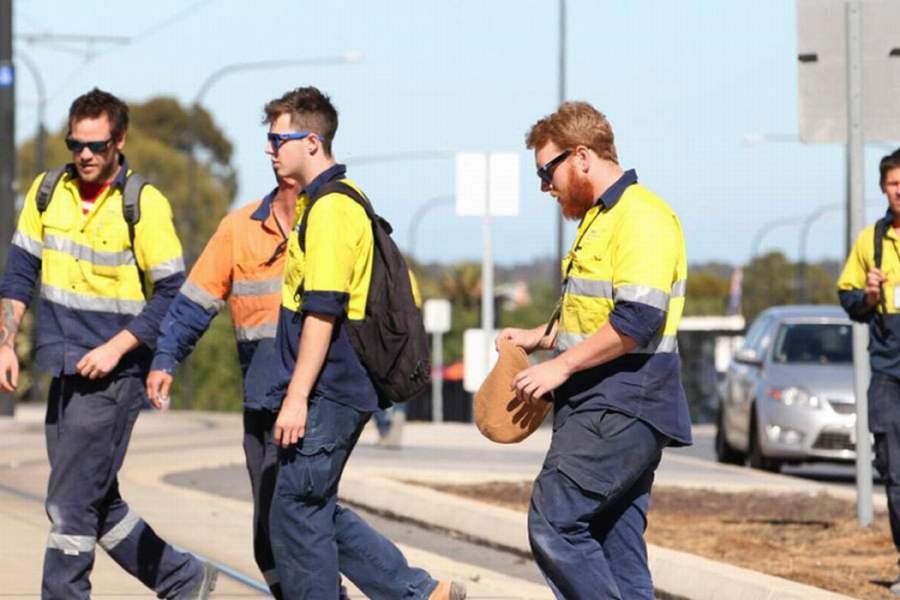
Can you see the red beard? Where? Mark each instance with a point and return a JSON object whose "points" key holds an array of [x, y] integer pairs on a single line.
{"points": [[579, 197]]}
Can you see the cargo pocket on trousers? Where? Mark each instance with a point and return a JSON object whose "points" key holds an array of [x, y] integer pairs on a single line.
{"points": [[593, 484], [307, 475]]}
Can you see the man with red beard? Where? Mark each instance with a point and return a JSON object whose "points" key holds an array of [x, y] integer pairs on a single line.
{"points": [[615, 377]]}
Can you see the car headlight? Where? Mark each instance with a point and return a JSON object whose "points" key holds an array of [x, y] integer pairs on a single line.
{"points": [[795, 396]]}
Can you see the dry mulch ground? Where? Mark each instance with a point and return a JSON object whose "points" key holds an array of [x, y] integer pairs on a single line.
{"points": [[811, 539]]}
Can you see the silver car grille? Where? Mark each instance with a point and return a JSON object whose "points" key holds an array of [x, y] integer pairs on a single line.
{"points": [[832, 440], [843, 407]]}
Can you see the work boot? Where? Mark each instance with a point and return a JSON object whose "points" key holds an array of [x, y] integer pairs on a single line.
{"points": [[207, 583], [449, 590]]}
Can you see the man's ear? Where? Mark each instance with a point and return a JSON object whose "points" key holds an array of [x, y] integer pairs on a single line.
{"points": [[121, 143]]}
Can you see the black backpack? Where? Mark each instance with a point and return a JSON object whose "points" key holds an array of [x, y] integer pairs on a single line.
{"points": [[390, 340], [131, 200]]}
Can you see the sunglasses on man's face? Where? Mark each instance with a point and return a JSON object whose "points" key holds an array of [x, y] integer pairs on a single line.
{"points": [[277, 140], [95, 147], [546, 172]]}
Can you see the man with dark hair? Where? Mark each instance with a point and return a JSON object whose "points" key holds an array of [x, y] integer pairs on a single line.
{"points": [[869, 290], [96, 254], [615, 376], [321, 392]]}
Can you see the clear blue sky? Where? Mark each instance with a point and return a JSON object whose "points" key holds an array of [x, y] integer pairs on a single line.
{"points": [[682, 83]]}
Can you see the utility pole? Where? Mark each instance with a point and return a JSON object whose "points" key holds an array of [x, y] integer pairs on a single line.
{"points": [[560, 231], [856, 217], [7, 152]]}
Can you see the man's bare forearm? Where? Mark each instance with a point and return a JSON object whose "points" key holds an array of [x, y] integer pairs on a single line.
{"points": [[605, 345], [11, 312]]}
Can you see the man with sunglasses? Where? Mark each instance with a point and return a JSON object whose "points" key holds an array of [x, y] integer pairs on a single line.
{"points": [[322, 394], [94, 336], [243, 262], [615, 377]]}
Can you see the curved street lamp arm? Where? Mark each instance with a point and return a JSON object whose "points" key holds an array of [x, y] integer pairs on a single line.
{"points": [[371, 159], [419, 214], [346, 58]]}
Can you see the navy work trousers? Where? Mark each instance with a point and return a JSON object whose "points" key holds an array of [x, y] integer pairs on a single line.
{"points": [[884, 423], [314, 538], [88, 427], [589, 505], [261, 456]]}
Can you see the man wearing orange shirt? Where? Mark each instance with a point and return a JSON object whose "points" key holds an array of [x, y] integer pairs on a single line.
{"points": [[243, 262]]}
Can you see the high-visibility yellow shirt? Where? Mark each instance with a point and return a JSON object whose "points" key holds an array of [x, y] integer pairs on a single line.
{"points": [[330, 277], [90, 286], [628, 267]]}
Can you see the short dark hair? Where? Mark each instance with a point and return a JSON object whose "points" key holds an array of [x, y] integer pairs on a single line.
{"points": [[889, 162], [97, 102], [310, 110]]}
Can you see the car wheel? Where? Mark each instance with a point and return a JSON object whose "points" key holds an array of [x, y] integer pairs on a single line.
{"points": [[757, 459], [724, 452]]}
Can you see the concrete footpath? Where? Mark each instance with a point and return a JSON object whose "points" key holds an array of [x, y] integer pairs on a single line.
{"points": [[208, 522]]}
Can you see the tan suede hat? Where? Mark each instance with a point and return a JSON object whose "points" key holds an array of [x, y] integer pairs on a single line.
{"points": [[499, 415]]}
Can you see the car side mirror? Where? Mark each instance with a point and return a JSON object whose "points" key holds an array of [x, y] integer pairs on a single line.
{"points": [[748, 356]]}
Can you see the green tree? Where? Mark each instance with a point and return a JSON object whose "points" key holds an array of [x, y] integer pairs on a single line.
{"points": [[769, 280], [707, 293]]}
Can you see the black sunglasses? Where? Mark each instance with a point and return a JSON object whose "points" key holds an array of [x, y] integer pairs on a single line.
{"points": [[94, 147], [546, 172]]}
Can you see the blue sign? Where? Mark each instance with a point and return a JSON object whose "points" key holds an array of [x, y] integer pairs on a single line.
{"points": [[7, 75]]}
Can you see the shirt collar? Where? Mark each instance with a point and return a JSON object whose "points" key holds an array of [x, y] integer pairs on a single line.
{"points": [[122, 175], [613, 193], [331, 173], [264, 209]]}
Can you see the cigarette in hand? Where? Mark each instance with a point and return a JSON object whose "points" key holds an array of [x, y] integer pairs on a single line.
{"points": [[163, 402]]}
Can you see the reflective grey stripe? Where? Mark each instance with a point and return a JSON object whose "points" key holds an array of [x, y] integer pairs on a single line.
{"points": [[666, 343], [564, 341], [679, 288], [263, 287], [120, 531], [201, 296], [594, 288], [660, 344], [71, 544], [81, 252], [165, 269], [32, 247], [78, 301], [271, 577], [644, 294], [249, 334]]}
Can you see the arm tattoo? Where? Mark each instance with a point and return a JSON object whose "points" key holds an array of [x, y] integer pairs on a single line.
{"points": [[9, 324]]}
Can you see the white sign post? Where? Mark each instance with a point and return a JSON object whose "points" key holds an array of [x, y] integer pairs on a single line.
{"points": [[479, 356], [487, 185], [437, 323]]}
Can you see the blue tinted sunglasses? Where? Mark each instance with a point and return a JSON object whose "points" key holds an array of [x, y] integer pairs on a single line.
{"points": [[277, 140]]}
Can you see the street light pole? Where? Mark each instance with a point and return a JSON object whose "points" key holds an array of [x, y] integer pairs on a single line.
{"points": [[768, 228], [40, 139], [802, 296], [561, 97], [426, 207]]}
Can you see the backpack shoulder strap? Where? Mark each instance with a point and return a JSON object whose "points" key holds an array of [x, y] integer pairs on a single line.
{"points": [[332, 187], [48, 185], [881, 228], [131, 210]]}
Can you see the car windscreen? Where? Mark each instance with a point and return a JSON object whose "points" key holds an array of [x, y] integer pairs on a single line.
{"points": [[821, 343]]}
